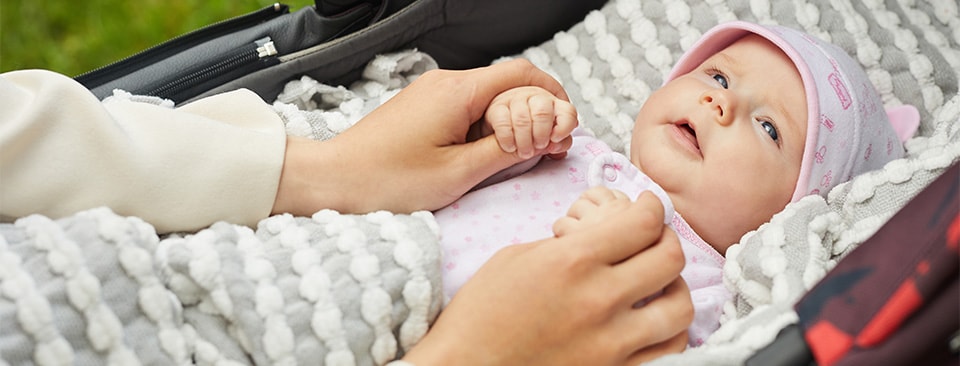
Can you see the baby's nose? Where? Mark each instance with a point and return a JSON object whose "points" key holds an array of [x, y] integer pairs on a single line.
{"points": [[721, 103]]}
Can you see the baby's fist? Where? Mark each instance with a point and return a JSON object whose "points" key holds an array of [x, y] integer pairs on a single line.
{"points": [[531, 121]]}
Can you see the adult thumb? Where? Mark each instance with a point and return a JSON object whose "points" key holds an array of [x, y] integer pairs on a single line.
{"points": [[486, 158]]}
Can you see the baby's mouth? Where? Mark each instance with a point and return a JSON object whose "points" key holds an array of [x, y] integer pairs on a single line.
{"points": [[688, 133]]}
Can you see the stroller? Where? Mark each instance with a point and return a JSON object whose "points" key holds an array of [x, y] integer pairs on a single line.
{"points": [[842, 298]]}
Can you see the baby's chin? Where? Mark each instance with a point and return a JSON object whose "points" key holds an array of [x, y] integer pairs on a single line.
{"points": [[717, 230]]}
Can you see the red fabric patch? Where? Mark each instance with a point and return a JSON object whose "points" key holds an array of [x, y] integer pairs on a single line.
{"points": [[953, 233], [901, 304], [827, 342]]}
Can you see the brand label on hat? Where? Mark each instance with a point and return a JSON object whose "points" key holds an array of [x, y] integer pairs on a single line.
{"points": [[842, 94], [826, 122]]}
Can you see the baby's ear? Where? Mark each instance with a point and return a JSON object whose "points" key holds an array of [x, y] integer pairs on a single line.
{"points": [[905, 120]]}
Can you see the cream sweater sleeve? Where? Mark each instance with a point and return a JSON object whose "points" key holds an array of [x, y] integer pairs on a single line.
{"points": [[62, 151]]}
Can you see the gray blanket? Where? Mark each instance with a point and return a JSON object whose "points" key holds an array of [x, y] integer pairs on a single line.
{"points": [[97, 288], [339, 289]]}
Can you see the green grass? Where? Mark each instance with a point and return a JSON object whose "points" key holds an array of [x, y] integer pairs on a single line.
{"points": [[72, 37]]}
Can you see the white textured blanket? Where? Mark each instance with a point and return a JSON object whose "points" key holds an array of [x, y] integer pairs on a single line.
{"points": [[337, 289]]}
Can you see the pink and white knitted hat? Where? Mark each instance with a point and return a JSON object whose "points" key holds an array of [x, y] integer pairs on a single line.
{"points": [[848, 130]]}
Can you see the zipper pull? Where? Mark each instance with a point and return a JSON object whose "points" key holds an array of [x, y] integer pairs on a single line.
{"points": [[265, 47]]}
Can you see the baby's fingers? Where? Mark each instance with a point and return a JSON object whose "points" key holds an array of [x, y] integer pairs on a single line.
{"points": [[599, 195], [564, 226], [566, 120], [543, 116], [558, 150], [498, 117], [522, 127]]}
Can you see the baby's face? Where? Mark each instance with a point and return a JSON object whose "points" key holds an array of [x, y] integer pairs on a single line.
{"points": [[726, 139]]}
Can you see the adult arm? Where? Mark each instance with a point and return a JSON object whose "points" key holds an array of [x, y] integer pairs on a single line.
{"points": [[410, 153], [221, 158], [62, 151]]}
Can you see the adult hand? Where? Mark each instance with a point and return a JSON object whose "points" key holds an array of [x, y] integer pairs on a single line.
{"points": [[410, 153], [570, 300]]}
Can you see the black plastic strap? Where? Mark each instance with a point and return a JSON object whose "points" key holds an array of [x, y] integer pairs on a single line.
{"points": [[330, 8], [788, 349]]}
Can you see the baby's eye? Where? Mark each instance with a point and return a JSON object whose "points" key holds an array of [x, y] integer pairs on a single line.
{"points": [[771, 130], [721, 79]]}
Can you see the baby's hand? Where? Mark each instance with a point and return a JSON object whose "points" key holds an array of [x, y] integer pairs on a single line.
{"points": [[530, 121], [596, 205]]}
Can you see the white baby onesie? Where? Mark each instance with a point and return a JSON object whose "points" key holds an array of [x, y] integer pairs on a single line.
{"points": [[523, 208]]}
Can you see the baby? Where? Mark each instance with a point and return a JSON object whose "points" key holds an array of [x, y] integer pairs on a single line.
{"points": [[750, 119]]}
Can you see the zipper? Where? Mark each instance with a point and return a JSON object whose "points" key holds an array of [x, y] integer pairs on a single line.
{"points": [[261, 50], [102, 75]]}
